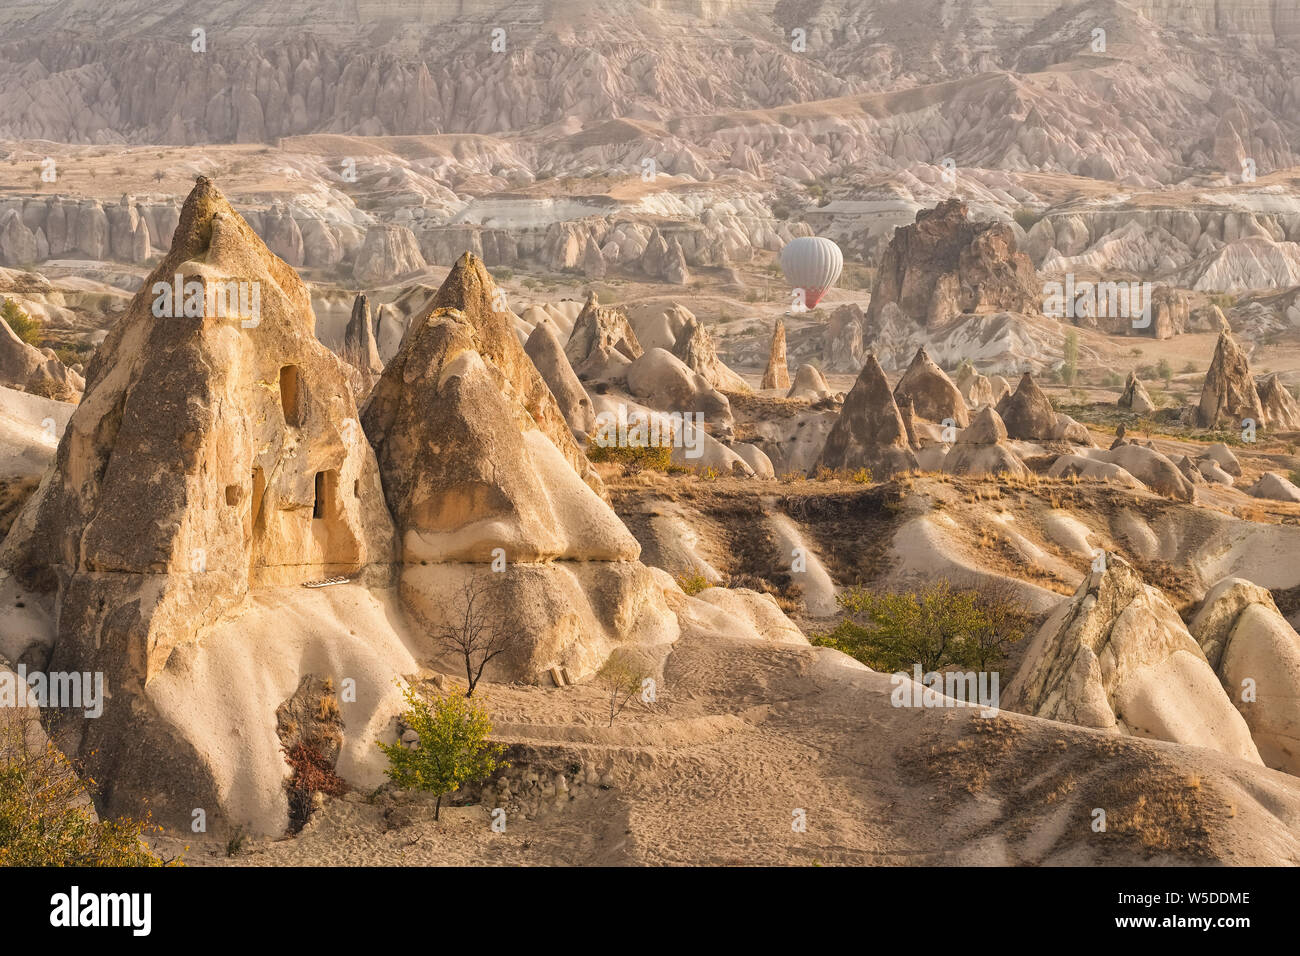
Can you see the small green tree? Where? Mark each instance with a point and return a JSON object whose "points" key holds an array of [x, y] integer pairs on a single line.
{"points": [[46, 816], [1165, 371], [935, 627], [620, 678], [24, 326], [1070, 367], [452, 748]]}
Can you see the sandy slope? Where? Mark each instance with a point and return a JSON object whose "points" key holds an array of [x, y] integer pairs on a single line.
{"points": [[747, 732]]}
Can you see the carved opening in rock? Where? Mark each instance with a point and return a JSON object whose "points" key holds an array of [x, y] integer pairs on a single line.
{"points": [[290, 396], [232, 495], [259, 489], [325, 506]]}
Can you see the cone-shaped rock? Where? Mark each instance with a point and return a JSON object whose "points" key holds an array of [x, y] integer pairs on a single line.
{"points": [[1135, 397], [483, 498], [359, 345], [870, 432], [1281, 410], [470, 289], [777, 373], [933, 394], [1027, 412], [216, 451], [1228, 395], [544, 349], [1119, 658]]}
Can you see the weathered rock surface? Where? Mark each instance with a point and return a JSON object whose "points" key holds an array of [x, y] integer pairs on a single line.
{"points": [[1228, 395], [1135, 398], [944, 264], [931, 392], [869, 432], [602, 344], [777, 373], [543, 347], [1117, 657]]}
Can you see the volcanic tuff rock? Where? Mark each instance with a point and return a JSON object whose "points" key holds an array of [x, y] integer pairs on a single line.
{"points": [[1229, 395], [1028, 413], [602, 344], [943, 265], [359, 345], [870, 432], [1280, 409], [981, 448], [471, 480], [388, 251], [1256, 654], [777, 373], [209, 458], [932, 392], [1135, 397], [28, 368], [470, 289], [543, 347], [666, 384], [809, 384], [1118, 657]]}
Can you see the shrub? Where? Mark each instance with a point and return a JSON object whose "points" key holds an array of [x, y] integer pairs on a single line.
{"points": [[1025, 217], [452, 748], [620, 678], [633, 457], [935, 627], [1070, 365], [24, 326], [46, 817], [693, 583]]}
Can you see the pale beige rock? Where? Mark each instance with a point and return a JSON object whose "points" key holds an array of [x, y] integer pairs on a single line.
{"points": [[777, 373], [543, 347], [1228, 395], [809, 385], [1135, 398], [932, 392], [1117, 657], [870, 432]]}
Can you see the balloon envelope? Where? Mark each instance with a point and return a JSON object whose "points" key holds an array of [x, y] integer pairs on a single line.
{"points": [[812, 264]]}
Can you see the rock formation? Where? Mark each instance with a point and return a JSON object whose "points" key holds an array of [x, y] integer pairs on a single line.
{"points": [[215, 456], [981, 448], [388, 251], [665, 383], [543, 347], [777, 373], [870, 432], [932, 392], [1027, 412], [1256, 654], [30, 369], [943, 265], [602, 344], [482, 498], [1117, 657], [1273, 486], [1135, 398], [975, 388], [359, 345], [809, 385], [1228, 396], [1281, 412]]}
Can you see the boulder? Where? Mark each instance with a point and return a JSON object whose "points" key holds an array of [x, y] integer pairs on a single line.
{"points": [[977, 389], [809, 385], [664, 382], [1135, 398], [1224, 457], [1273, 486]]}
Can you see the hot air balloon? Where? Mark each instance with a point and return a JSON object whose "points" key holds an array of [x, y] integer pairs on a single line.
{"points": [[811, 264]]}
